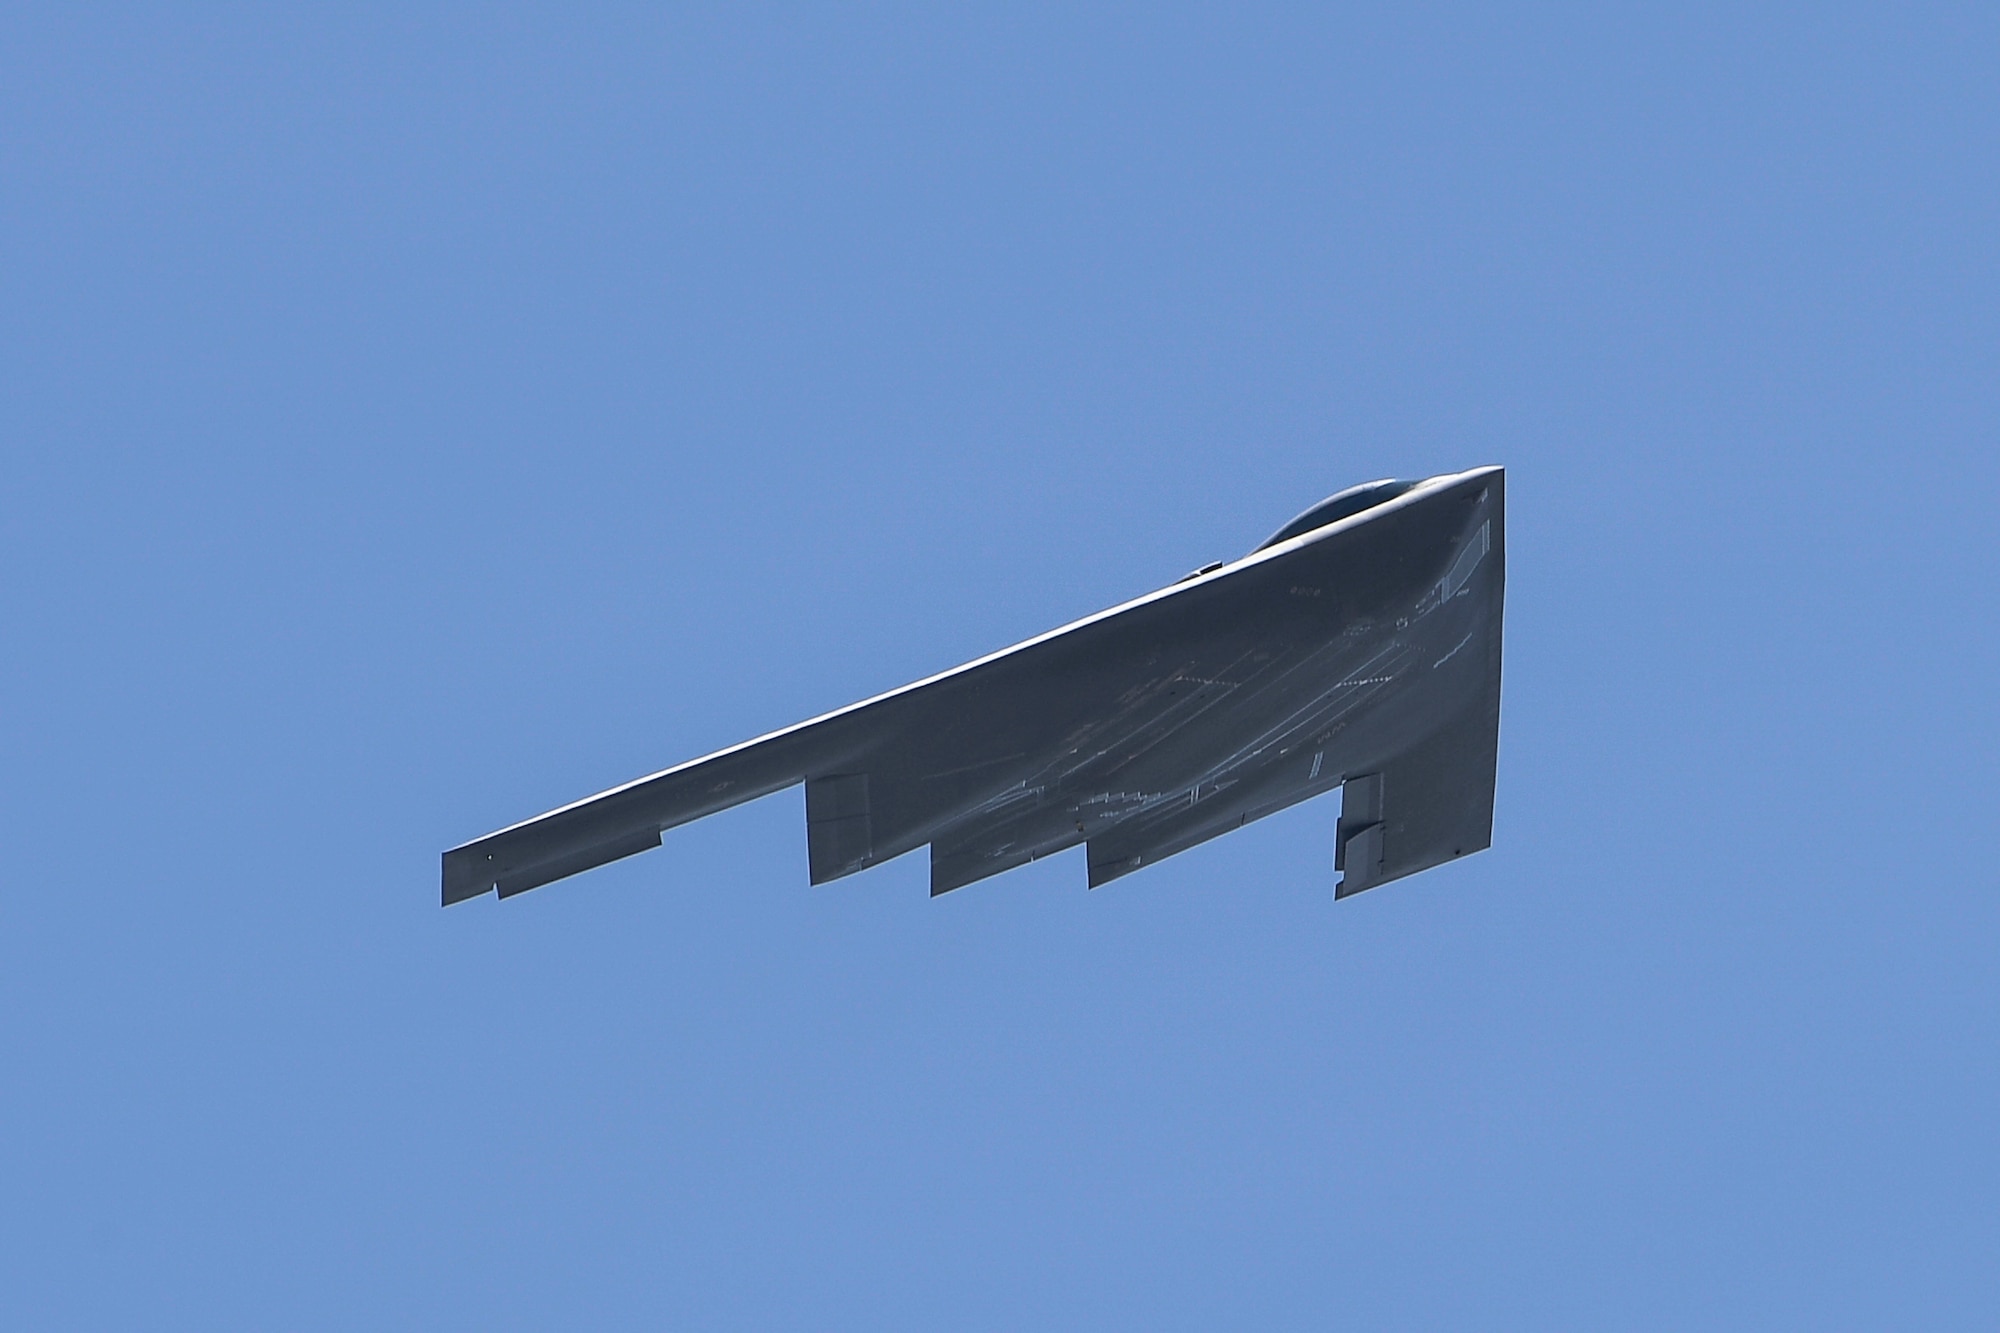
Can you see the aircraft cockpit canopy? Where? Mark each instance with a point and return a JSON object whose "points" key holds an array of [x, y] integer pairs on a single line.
{"points": [[1345, 504]]}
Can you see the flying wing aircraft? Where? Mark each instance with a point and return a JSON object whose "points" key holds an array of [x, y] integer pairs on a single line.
{"points": [[1358, 648]]}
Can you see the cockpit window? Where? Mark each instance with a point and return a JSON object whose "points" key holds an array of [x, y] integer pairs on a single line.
{"points": [[1336, 507]]}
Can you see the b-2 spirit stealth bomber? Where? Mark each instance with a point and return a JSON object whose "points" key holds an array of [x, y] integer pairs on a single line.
{"points": [[1358, 648]]}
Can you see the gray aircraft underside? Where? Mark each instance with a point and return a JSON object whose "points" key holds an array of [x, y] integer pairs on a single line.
{"points": [[1359, 646]]}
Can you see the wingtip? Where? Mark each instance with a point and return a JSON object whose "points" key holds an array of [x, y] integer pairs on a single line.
{"points": [[464, 878]]}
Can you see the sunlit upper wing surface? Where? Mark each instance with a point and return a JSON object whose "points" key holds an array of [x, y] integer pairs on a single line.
{"points": [[1359, 646]]}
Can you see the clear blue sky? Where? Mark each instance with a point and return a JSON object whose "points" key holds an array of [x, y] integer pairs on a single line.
{"points": [[415, 422]]}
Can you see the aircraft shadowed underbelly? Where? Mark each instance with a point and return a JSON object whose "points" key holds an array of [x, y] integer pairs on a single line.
{"points": [[1363, 652]]}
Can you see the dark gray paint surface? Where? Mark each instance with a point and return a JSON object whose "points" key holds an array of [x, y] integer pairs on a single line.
{"points": [[1361, 645]]}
